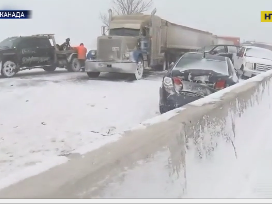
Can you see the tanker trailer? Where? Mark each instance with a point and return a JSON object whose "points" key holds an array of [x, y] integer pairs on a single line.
{"points": [[182, 39], [222, 41]]}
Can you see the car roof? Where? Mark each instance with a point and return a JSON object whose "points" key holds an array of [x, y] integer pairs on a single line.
{"points": [[29, 36]]}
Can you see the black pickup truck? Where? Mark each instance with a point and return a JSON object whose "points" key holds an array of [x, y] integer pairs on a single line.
{"points": [[36, 51], [221, 50]]}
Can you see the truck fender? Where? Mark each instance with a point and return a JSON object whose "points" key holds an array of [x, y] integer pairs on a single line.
{"points": [[135, 55], [71, 56]]}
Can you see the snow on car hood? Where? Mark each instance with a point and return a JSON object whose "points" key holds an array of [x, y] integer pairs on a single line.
{"points": [[258, 55], [258, 60]]}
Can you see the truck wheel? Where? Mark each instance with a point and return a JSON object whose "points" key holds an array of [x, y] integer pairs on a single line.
{"points": [[50, 68], [93, 74], [8, 69], [74, 65], [139, 69]]}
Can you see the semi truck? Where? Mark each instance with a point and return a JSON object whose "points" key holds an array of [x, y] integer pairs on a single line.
{"points": [[231, 39], [136, 42]]}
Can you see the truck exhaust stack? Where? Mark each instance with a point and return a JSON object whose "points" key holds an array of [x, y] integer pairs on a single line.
{"points": [[110, 15]]}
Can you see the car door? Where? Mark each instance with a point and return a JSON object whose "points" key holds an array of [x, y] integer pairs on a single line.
{"points": [[45, 51], [233, 73], [232, 52], [239, 59], [28, 54]]}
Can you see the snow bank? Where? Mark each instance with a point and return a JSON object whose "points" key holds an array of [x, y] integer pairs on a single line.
{"points": [[209, 149], [83, 116]]}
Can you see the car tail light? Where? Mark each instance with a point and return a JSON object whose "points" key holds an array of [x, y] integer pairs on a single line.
{"points": [[177, 81], [221, 84], [177, 84]]}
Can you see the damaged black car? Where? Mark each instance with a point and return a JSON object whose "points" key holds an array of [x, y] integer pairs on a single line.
{"points": [[194, 76]]}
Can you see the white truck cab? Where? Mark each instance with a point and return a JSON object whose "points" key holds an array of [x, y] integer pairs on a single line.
{"points": [[251, 60]]}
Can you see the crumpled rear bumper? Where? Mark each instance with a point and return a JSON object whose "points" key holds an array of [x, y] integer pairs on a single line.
{"points": [[172, 101]]}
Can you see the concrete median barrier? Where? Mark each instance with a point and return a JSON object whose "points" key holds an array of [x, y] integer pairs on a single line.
{"points": [[199, 152]]}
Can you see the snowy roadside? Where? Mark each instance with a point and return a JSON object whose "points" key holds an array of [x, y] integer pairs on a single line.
{"points": [[54, 119], [47, 119]]}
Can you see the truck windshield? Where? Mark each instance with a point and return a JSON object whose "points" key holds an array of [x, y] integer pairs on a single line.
{"points": [[125, 32], [8, 43]]}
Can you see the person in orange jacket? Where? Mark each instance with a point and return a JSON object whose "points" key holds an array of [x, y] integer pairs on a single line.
{"points": [[81, 54]]}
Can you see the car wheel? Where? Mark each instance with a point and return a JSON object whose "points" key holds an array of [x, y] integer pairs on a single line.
{"points": [[93, 74], [50, 68], [139, 69], [8, 69], [74, 65]]}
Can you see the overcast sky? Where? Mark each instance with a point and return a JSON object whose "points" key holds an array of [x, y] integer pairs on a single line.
{"points": [[79, 19]]}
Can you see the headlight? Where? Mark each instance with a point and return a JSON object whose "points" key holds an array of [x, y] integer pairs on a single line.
{"points": [[126, 55], [249, 65], [168, 85], [167, 81], [93, 52]]}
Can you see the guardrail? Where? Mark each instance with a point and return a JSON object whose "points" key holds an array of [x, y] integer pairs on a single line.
{"points": [[169, 159]]}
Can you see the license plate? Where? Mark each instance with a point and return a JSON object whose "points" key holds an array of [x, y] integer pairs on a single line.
{"points": [[202, 78], [104, 65], [115, 48]]}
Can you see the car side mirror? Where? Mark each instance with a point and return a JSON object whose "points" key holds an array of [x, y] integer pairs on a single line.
{"points": [[171, 65], [205, 53], [214, 52]]}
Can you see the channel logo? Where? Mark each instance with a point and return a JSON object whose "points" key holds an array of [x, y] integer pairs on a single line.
{"points": [[15, 14], [266, 16]]}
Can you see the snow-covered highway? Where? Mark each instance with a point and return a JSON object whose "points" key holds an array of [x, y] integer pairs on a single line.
{"points": [[47, 118]]}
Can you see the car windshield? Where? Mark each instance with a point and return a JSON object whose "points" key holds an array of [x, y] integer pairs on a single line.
{"points": [[259, 53], [206, 49], [124, 32], [8, 43], [217, 66]]}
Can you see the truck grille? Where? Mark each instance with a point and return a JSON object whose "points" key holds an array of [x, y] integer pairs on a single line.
{"points": [[107, 49], [263, 67]]}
